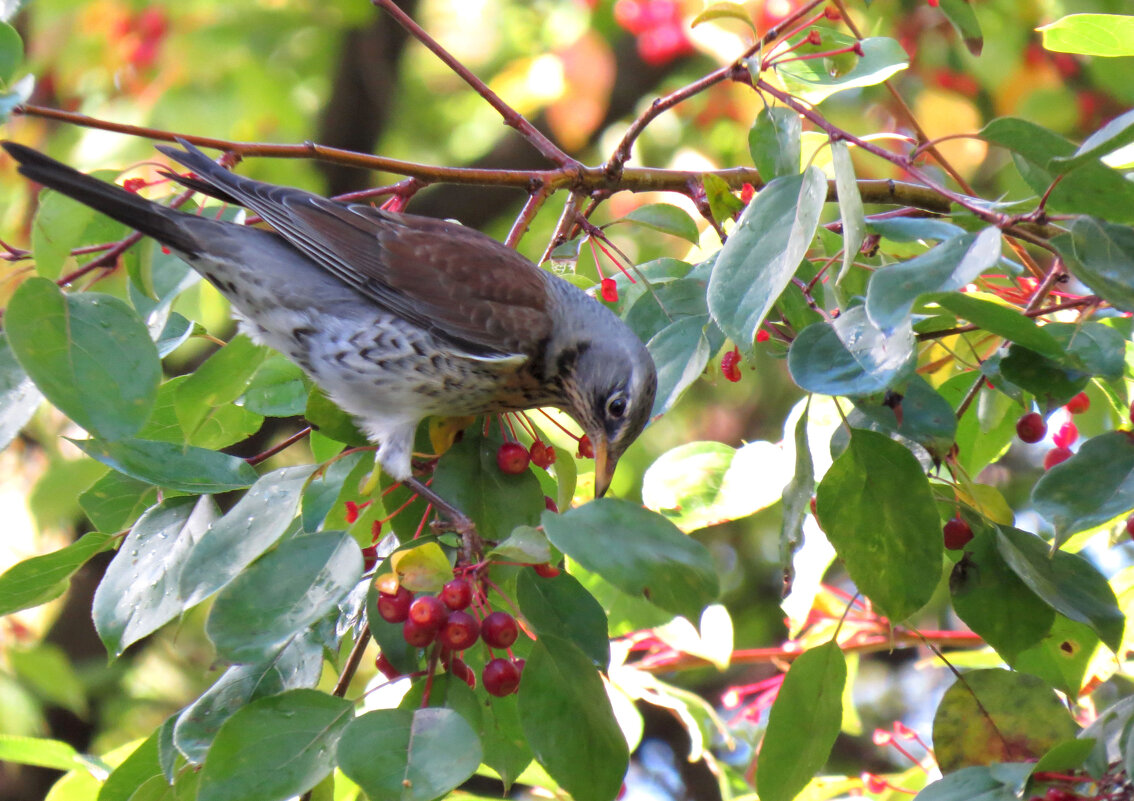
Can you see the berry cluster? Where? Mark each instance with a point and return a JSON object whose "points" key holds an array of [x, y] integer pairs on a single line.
{"points": [[444, 619], [513, 458], [1032, 428]]}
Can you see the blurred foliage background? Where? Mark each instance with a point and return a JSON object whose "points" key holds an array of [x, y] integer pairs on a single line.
{"points": [[339, 73]]}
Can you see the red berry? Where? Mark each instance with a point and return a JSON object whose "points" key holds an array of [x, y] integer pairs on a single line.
{"points": [[762, 335], [1066, 435], [369, 557], [1130, 525], [1079, 404], [747, 192], [542, 454], [546, 570], [814, 37], [1059, 794], [730, 365], [385, 668], [499, 630], [463, 672], [586, 449], [134, 184], [428, 611], [457, 594], [418, 635], [1055, 456], [395, 608], [957, 534], [459, 632], [512, 458], [1031, 427], [550, 505], [500, 677], [609, 290]]}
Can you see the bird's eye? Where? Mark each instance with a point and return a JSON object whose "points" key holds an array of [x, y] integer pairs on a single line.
{"points": [[616, 406]]}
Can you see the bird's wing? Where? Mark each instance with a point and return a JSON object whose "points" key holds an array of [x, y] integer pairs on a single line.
{"points": [[463, 286]]}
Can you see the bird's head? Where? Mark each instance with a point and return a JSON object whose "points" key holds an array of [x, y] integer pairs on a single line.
{"points": [[610, 387]]}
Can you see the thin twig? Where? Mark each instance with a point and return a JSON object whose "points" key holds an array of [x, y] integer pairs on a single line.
{"points": [[524, 219], [512, 118], [352, 663], [272, 451]]}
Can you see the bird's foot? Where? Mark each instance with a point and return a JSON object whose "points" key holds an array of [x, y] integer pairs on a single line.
{"points": [[452, 519]]}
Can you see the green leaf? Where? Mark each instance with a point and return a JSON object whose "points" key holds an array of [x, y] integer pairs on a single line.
{"points": [[1117, 133], [968, 784], [1095, 347], [914, 229], [57, 228], [177, 467], [1001, 320], [724, 11], [918, 413], [723, 204], [43, 753], [892, 290], [962, 17], [40, 579], [569, 723], [803, 723], [468, 477], [409, 755], [850, 356], [89, 354], [814, 80], [1092, 189], [797, 496], [653, 560], [140, 767], [220, 380], [763, 253], [560, 606], [1052, 383], [281, 593], [279, 389], [704, 483], [875, 505], [275, 747], [298, 665], [1092, 487], [1101, 255], [774, 142], [992, 600], [666, 218], [680, 352], [115, 501], [248, 529], [139, 592], [1068, 582], [990, 716], [1062, 657], [19, 397], [46, 670], [850, 204], [506, 749], [331, 421], [11, 52], [1108, 35]]}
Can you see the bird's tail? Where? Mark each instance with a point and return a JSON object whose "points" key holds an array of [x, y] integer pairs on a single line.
{"points": [[163, 224]]}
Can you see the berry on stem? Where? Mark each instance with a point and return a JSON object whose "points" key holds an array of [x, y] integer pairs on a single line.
{"points": [[542, 454], [1130, 525], [428, 611], [546, 570], [462, 671], [395, 608], [369, 557], [957, 534], [418, 635], [459, 632], [457, 594], [499, 630], [550, 505], [1079, 404], [730, 365], [500, 677], [1055, 456], [1066, 435], [512, 458], [586, 449], [1031, 427]]}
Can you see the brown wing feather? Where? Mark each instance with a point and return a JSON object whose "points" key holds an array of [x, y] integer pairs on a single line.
{"points": [[465, 287]]}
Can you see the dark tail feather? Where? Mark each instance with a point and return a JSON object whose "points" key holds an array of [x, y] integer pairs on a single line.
{"points": [[128, 208]]}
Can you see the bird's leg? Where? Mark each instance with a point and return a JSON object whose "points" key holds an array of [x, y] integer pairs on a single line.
{"points": [[458, 521]]}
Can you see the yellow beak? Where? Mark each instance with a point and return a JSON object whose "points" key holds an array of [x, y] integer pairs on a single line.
{"points": [[604, 468]]}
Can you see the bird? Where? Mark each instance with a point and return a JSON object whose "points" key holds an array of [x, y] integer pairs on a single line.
{"points": [[395, 316]]}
